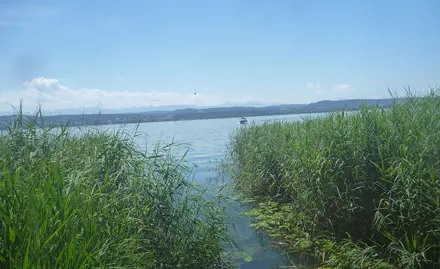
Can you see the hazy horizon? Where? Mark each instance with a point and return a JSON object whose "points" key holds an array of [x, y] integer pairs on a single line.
{"points": [[143, 109], [114, 55]]}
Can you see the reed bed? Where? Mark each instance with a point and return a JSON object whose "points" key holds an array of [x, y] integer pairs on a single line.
{"points": [[354, 190], [92, 199]]}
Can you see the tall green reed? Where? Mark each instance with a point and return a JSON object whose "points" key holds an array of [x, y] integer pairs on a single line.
{"points": [[370, 178], [93, 199]]}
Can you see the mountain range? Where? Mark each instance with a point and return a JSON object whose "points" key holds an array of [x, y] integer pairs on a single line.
{"points": [[142, 109], [175, 113]]}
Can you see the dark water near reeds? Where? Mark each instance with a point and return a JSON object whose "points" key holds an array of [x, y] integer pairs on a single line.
{"points": [[206, 141]]}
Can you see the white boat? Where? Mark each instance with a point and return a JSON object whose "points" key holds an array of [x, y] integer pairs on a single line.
{"points": [[243, 120]]}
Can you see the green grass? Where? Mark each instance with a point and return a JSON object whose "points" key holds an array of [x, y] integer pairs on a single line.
{"points": [[92, 199], [356, 190]]}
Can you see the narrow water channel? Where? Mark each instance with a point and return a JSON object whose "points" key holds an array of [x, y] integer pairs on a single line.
{"points": [[206, 141]]}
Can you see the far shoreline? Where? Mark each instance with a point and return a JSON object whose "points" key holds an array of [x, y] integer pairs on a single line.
{"points": [[189, 114]]}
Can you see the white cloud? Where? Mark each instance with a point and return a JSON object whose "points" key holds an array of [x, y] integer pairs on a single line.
{"points": [[54, 96], [313, 86], [316, 88], [41, 82], [344, 88]]}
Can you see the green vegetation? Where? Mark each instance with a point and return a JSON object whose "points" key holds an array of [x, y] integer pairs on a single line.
{"points": [[91, 199], [354, 190], [207, 113]]}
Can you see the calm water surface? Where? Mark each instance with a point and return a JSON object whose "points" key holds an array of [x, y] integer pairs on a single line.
{"points": [[206, 140]]}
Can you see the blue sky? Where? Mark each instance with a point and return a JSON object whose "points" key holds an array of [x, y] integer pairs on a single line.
{"points": [[67, 54]]}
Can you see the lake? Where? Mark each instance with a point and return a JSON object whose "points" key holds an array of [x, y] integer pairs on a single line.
{"points": [[206, 141]]}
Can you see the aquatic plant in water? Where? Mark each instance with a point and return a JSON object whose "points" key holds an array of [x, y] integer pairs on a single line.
{"points": [[356, 190]]}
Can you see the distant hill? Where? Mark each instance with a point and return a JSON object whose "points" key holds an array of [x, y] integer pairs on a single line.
{"points": [[209, 113], [346, 104], [143, 109]]}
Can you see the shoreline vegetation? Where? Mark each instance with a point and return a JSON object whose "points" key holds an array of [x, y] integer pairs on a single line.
{"points": [[350, 190], [203, 113], [346, 190], [94, 200]]}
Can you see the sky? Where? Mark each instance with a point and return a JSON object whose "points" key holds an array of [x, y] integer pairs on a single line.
{"points": [[134, 53]]}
